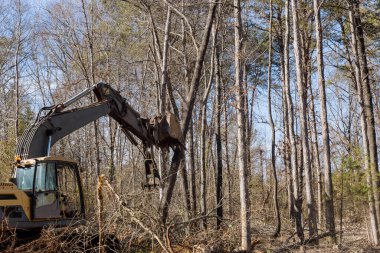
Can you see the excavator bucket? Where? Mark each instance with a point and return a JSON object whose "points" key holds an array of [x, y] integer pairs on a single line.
{"points": [[169, 131]]}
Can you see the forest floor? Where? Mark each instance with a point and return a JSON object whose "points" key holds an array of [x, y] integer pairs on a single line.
{"points": [[354, 239]]}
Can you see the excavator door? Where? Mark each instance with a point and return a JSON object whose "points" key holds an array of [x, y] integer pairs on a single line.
{"points": [[57, 191], [46, 202], [70, 196]]}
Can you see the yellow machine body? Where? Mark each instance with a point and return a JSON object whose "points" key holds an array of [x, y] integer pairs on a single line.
{"points": [[36, 196]]}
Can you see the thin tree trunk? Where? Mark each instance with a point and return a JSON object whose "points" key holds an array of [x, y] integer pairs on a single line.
{"points": [[89, 36], [358, 79], [229, 184], [302, 92], [192, 170], [317, 164], [17, 71], [368, 107], [162, 92], [273, 131], [203, 169], [297, 197], [241, 134], [218, 140], [164, 70], [286, 154], [328, 187], [285, 110]]}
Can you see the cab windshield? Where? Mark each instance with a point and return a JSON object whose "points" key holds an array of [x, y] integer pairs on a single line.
{"points": [[24, 177]]}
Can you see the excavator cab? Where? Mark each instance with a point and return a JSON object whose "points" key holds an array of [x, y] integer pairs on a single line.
{"points": [[43, 192]]}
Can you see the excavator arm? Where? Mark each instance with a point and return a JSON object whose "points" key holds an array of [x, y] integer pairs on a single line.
{"points": [[45, 190], [57, 123]]}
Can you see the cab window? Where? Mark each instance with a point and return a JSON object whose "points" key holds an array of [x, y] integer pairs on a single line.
{"points": [[68, 190], [46, 179], [24, 178]]}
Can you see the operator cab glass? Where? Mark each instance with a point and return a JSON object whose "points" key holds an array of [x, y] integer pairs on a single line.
{"points": [[24, 177], [46, 179]]}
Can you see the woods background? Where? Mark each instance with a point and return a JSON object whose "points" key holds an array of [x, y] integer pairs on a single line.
{"points": [[278, 103]]}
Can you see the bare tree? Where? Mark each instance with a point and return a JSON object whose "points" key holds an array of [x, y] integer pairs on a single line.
{"points": [[187, 114], [358, 61], [218, 140], [297, 196], [19, 38], [241, 134], [272, 126], [328, 187], [302, 93]]}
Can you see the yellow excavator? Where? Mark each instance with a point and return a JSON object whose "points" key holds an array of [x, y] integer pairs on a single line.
{"points": [[45, 190]]}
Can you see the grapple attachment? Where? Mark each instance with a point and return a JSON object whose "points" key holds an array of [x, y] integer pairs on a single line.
{"points": [[168, 131]]}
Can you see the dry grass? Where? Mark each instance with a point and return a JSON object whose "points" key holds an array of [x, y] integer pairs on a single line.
{"points": [[123, 234], [127, 237]]}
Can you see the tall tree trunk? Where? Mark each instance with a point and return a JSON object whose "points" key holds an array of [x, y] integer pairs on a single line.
{"points": [[302, 92], [287, 159], [273, 131], [227, 152], [285, 111], [329, 201], [163, 92], [368, 106], [17, 71], [359, 86], [218, 140], [297, 196], [242, 157], [204, 147], [164, 66], [203, 187], [91, 82], [192, 170], [317, 164]]}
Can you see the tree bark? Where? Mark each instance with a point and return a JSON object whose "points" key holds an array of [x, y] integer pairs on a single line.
{"points": [[273, 130], [359, 86], [302, 93], [317, 164], [297, 196], [192, 170], [328, 187], [164, 68], [91, 79], [204, 147], [218, 140], [241, 134], [227, 150], [368, 106], [286, 126], [203, 187], [17, 70]]}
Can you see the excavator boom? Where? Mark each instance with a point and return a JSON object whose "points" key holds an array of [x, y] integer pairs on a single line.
{"points": [[58, 123]]}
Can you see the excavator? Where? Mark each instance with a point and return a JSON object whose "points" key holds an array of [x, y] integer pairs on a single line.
{"points": [[46, 190]]}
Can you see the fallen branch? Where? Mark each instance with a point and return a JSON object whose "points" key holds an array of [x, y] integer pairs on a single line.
{"points": [[133, 217], [308, 241], [207, 215]]}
